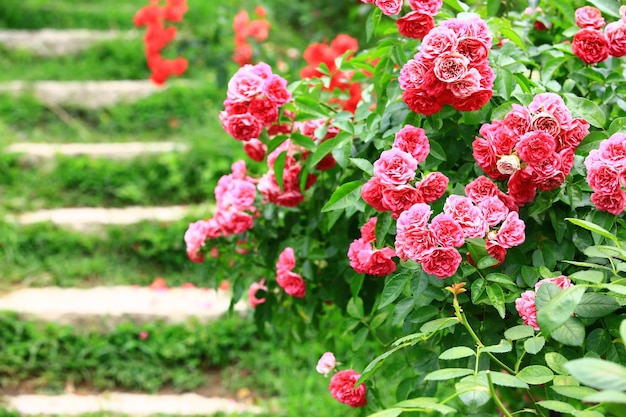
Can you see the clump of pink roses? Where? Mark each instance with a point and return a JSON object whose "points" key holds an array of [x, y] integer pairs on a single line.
{"points": [[365, 259], [291, 282], [592, 45], [525, 305], [606, 174]]}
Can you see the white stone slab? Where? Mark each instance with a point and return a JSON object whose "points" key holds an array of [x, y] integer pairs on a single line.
{"points": [[124, 150], [127, 404], [117, 303]]}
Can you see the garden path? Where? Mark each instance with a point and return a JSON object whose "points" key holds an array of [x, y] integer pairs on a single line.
{"points": [[104, 304]]}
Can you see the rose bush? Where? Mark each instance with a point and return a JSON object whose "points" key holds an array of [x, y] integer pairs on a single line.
{"points": [[464, 210]]}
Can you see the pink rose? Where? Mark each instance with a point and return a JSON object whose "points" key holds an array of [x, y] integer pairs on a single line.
{"points": [[518, 120], [447, 231], [389, 7], [590, 45], [195, 237], [241, 126], [368, 230], [395, 167], [292, 283], [450, 66], [413, 140], [412, 74], [467, 85], [615, 33], [508, 164], [468, 215], [486, 158], [553, 104], [473, 48], [603, 178], [521, 186], [286, 260], [430, 7], [475, 101], [415, 243], [342, 388], [416, 216], [233, 222], [546, 122], [496, 251], [471, 26], [359, 253], [372, 193], [480, 188], [326, 364], [589, 17], [438, 41], [579, 128], [613, 150], [255, 149], [442, 262], [512, 231], [275, 89], [432, 187], [264, 110], [253, 300], [561, 281], [399, 198], [612, 203], [526, 308], [421, 101], [493, 210], [380, 263], [535, 146], [244, 85], [415, 24]]}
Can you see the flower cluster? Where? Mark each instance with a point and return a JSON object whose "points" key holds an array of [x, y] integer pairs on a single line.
{"points": [[235, 195], [434, 243], [450, 68], [321, 53], [390, 188], [244, 28], [525, 305], [606, 174], [342, 382], [253, 99], [291, 282], [253, 300], [158, 36], [532, 147], [592, 45], [365, 259]]}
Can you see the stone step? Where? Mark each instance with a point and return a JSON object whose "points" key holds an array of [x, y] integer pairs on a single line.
{"points": [[109, 306], [127, 150], [55, 42], [94, 218], [134, 405], [83, 94]]}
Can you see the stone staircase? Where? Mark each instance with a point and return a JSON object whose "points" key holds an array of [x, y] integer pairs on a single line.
{"points": [[104, 304]]}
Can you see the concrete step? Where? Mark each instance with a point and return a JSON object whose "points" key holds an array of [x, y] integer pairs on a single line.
{"points": [[134, 405], [83, 94], [94, 218], [128, 150], [55, 42], [109, 306]]}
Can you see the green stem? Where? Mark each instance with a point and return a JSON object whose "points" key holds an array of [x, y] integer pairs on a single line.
{"points": [[496, 399]]}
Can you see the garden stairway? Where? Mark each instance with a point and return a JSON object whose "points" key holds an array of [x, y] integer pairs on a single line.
{"points": [[97, 306]]}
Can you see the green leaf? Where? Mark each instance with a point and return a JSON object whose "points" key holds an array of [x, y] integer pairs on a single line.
{"points": [[573, 391], [456, 5], [279, 168], [558, 406], [519, 332], [548, 69], [588, 276], [356, 283], [437, 151], [311, 106], [610, 7], [438, 324], [598, 373], [571, 333], [502, 347], [383, 225], [513, 36], [559, 309], [393, 288], [355, 308], [496, 296], [587, 109], [425, 403], [492, 7], [326, 148], [617, 125], [506, 380], [536, 375], [608, 396], [372, 23], [474, 390], [534, 345], [596, 305], [486, 262], [556, 361], [457, 352], [622, 331], [364, 165], [345, 196], [504, 82], [359, 338], [478, 288], [390, 412], [447, 373]]}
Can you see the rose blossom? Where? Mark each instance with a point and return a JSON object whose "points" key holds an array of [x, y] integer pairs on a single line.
{"points": [[399, 198], [413, 140], [511, 233], [343, 390], [508, 164], [615, 33], [493, 209], [496, 251], [521, 186], [450, 66], [416, 216], [426, 6], [389, 7], [589, 17], [469, 216], [420, 101], [359, 253], [292, 283], [468, 85], [613, 150], [326, 364], [372, 193], [194, 238], [275, 89], [255, 149], [368, 230], [264, 110], [475, 101], [526, 308], [535, 146], [380, 263], [415, 24], [518, 120], [254, 287], [412, 74], [546, 122], [473, 48], [447, 231], [415, 243], [244, 85], [603, 177], [432, 187], [233, 222], [590, 45], [553, 104], [612, 203], [395, 167], [561, 281], [286, 260], [241, 126], [442, 262], [480, 188], [438, 41]]}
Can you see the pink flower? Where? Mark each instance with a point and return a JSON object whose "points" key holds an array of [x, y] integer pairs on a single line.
{"points": [[447, 231], [615, 33], [613, 150], [511, 232], [195, 237], [561, 281], [480, 188], [438, 41], [264, 110], [590, 45], [343, 390], [475, 101], [292, 283], [241, 126], [368, 230], [395, 167], [253, 301], [521, 186], [416, 216], [359, 253], [535, 146], [286, 260], [275, 88], [143, 335], [493, 209], [475, 49], [255, 149], [612, 203], [603, 177], [450, 66], [415, 24], [430, 7], [442, 262], [413, 140], [518, 120], [326, 364], [233, 222], [526, 308], [467, 85], [244, 85], [400, 198], [554, 105], [372, 193], [380, 263], [432, 187], [468, 215], [589, 17], [389, 7], [496, 251]]}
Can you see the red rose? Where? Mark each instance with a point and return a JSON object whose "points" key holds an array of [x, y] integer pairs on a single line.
{"points": [[590, 45], [415, 24], [442, 262], [343, 390]]}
